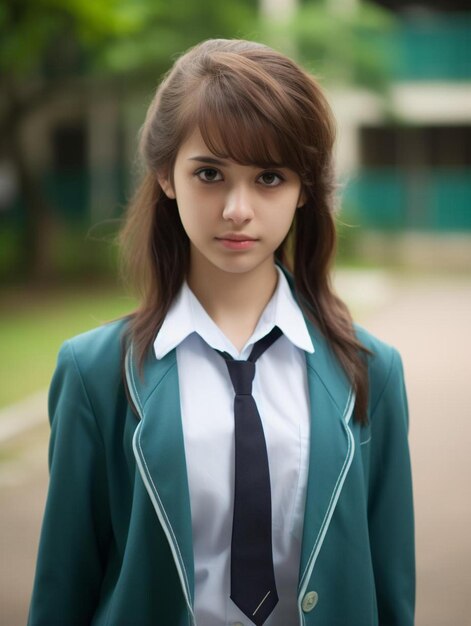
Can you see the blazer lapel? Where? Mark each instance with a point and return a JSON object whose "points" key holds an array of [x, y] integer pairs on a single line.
{"points": [[160, 455], [331, 448]]}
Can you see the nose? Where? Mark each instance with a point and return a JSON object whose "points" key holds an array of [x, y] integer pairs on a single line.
{"points": [[239, 206]]}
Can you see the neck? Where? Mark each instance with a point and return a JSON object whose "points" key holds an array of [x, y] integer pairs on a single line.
{"points": [[235, 301]]}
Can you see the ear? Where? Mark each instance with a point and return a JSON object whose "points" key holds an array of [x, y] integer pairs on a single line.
{"points": [[166, 184], [302, 198]]}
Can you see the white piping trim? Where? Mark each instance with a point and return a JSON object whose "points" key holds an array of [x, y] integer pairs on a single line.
{"points": [[333, 501], [155, 498], [131, 383], [362, 443]]}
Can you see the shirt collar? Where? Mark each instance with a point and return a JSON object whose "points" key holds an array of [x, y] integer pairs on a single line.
{"points": [[187, 315], [289, 317]]}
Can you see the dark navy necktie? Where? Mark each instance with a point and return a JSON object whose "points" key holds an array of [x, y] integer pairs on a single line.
{"points": [[253, 587]]}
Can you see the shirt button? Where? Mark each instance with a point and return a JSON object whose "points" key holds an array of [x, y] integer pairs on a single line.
{"points": [[237, 624], [309, 601]]}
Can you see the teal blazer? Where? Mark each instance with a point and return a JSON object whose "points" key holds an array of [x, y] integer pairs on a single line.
{"points": [[116, 541]]}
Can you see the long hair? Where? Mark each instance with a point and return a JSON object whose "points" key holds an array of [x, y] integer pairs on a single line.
{"points": [[255, 106]]}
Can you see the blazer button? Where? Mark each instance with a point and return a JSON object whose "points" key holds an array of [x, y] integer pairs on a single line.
{"points": [[309, 601]]}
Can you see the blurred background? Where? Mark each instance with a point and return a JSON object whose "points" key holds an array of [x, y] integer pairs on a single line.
{"points": [[76, 78]]}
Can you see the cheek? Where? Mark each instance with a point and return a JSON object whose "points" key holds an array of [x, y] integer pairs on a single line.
{"points": [[189, 219], [196, 217], [197, 207], [282, 219]]}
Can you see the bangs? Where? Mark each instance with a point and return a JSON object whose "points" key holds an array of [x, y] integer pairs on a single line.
{"points": [[235, 126]]}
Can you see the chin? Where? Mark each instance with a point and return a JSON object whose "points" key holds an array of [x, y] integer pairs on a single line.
{"points": [[240, 266]]}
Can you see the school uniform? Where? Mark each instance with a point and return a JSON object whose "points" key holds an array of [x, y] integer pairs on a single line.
{"points": [[117, 545], [207, 413]]}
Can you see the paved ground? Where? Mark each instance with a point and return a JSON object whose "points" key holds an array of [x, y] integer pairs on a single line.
{"points": [[23, 482], [428, 320]]}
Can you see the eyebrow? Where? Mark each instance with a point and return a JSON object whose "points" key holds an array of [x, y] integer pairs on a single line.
{"points": [[214, 161], [208, 159]]}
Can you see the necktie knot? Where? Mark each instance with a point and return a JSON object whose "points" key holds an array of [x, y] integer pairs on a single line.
{"points": [[242, 374]]}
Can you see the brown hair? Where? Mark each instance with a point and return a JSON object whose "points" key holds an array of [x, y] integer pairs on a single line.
{"points": [[255, 106]]}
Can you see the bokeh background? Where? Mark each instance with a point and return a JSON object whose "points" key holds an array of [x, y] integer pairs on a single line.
{"points": [[76, 78]]}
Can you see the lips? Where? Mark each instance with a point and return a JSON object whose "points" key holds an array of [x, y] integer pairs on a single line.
{"points": [[236, 237], [237, 241]]}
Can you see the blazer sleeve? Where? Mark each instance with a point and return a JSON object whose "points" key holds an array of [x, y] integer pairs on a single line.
{"points": [[76, 527], [390, 504]]}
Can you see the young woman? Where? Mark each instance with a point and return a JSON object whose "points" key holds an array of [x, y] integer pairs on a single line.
{"points": [[198, 475]]}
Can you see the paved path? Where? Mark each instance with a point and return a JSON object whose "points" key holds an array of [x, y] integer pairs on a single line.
{"points": [[428, 321], [22, 416], [23, 482]]}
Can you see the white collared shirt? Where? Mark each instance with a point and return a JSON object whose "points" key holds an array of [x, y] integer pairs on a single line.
{"points": [[206, 397]]}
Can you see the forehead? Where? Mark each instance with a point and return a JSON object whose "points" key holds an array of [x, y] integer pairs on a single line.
{"points": [[194, 145]]}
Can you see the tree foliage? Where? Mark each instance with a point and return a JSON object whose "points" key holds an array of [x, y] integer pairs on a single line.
{"points": [[56, 38]]}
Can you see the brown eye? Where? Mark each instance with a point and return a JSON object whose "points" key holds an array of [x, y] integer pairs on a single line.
{"points": [[271, 179], [208, 175]]}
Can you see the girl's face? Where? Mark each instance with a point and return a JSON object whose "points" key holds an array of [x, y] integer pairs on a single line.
{"points": [[235, 215]]}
